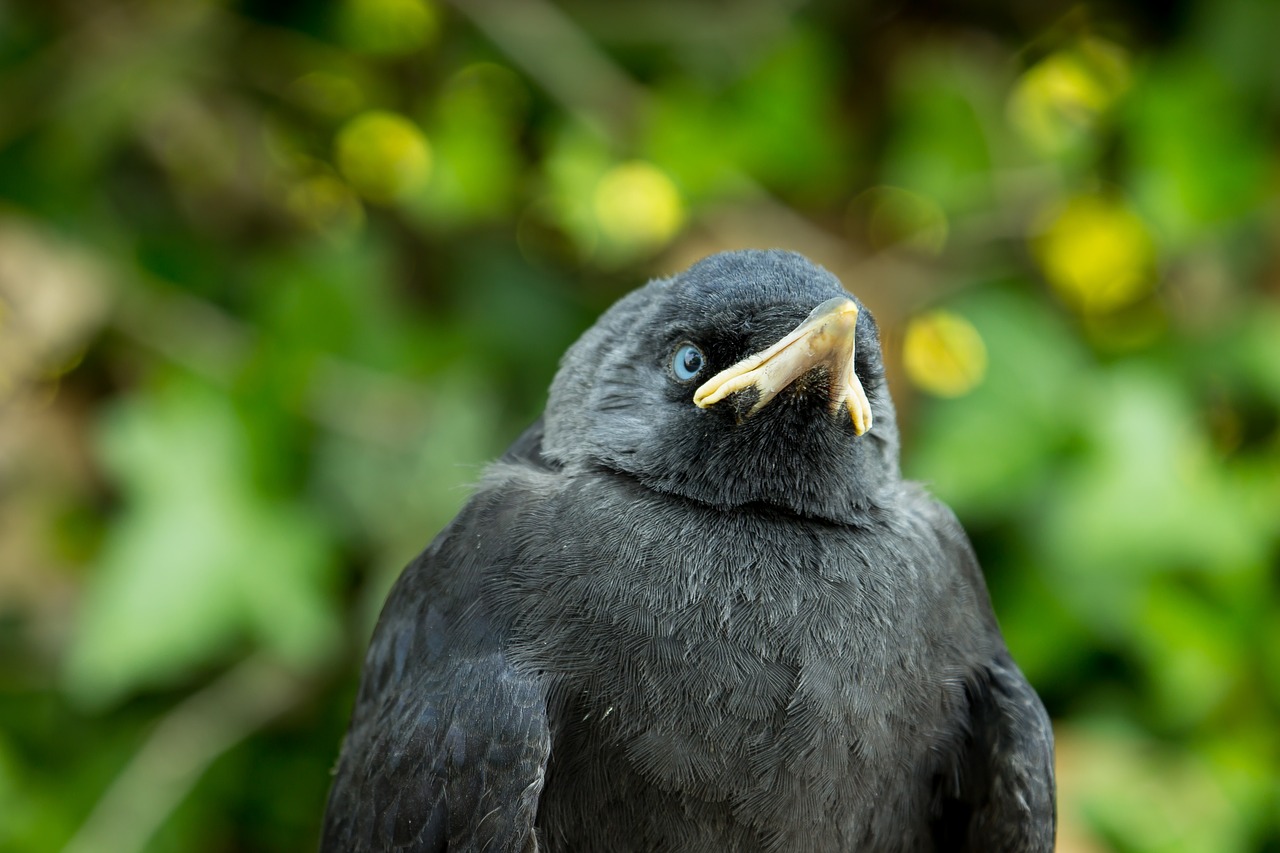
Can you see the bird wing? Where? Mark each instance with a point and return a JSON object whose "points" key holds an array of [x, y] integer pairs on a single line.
{"points": [[449, 742], [1000, 799], [999, 796]]}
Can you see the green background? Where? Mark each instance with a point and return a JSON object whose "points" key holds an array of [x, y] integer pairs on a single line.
{"points": [[276, 278]]}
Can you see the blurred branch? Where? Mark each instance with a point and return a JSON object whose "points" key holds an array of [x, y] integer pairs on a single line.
{"points": [[190, 332], [106, 45], [343, 397], [555, 52], [561, 57], [181, 749]]}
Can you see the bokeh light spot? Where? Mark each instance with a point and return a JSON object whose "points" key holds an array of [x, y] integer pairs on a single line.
{"points": [[1097, 254], [384, 156], [1059, 100], [637, 206], [944, 354]]}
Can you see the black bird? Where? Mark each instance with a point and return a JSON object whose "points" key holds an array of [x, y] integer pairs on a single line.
{"points": [[696, 607]]}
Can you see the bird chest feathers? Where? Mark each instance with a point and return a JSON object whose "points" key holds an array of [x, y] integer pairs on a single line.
{"points": [[770, 666]]}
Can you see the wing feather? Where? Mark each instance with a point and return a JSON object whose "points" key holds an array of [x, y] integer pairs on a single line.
{"points": [[999, 795], [449, 742]]}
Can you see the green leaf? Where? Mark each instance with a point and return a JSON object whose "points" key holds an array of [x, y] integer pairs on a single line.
{"points": [[1193, 653], [1146, 497], [1192, 173], [778, 123], [198, 560], [782, 124], [939, 139], [475, 129]]}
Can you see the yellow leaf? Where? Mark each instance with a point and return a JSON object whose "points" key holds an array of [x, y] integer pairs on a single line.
{"points": [[384, 155], [1060, 99], [637, 206], [944, 354], [1097, 254]]}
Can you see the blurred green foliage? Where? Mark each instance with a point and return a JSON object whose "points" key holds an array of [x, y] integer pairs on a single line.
{"points": [[277, 278]]}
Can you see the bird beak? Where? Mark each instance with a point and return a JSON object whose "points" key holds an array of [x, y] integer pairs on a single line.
{"points": [[825, 338]]}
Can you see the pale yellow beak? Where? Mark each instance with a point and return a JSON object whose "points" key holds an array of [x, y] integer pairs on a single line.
{"points": [[824, 338]]}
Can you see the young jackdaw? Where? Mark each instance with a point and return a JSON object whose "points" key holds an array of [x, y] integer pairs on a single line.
{"points": [[695, 607]]}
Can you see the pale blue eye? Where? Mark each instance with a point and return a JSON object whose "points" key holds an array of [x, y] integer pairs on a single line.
{"points": [[687, 362]]}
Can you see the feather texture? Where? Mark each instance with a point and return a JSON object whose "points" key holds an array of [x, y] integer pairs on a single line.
{"points": [[660, 628]]}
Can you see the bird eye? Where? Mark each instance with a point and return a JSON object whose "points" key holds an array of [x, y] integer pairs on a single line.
{"points": [[687, 362]]}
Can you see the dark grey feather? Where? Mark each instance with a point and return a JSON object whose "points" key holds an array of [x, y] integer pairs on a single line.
{"points": [[657, 627]]}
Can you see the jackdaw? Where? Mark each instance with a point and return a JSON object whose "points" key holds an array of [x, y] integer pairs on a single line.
{"points": [[695, 607]]}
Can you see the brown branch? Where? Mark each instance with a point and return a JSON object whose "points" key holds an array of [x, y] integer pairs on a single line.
{"points": [[180, 750]]}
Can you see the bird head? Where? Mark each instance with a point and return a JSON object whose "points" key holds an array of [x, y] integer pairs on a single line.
{"points": [[751, 378]]}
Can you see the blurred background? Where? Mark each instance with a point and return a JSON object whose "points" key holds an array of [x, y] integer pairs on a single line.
{"points": [[278, 276]]}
